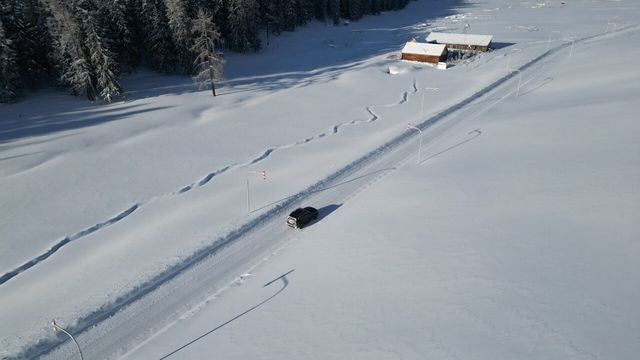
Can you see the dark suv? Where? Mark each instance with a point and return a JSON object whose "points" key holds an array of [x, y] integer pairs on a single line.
{"points": [[301, 217]]}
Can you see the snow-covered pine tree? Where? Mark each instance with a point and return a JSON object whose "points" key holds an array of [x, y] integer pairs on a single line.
{"points": [[219, 10], [394, 5], [365, 7], [304, 12], [102, 61], [376, 6], [9, 91], [12, 17], [159, 46], [333, 11], [72, 59], [351, 9], [113, 22], [271, 12], [209, 63], [35, 57], [243, 26], [290, 15], [320, 8], [180, 26]]}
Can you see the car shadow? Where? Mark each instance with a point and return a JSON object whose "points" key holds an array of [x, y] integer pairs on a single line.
{"points": [[324, 211]]}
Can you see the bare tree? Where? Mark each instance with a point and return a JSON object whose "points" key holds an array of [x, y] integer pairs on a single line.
{"points": [[209, 63]]}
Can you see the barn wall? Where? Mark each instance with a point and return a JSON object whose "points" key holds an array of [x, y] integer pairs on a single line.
{"points": [[421, 58], [467, 47]]}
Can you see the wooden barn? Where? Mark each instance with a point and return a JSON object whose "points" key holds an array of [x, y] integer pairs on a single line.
{"points": [[423, 52], [470, 42]]}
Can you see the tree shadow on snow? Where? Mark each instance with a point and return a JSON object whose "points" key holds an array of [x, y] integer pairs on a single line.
{"points": [[307, 56], [322, 45], [314, 53], [27, 124]]}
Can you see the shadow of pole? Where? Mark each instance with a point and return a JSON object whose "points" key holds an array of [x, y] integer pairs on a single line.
{"points": [[475, 133], [285, 283], [544, 82]]}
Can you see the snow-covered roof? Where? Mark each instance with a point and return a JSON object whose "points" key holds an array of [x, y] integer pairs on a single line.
{"points": [[460, 39], [413, 47]]}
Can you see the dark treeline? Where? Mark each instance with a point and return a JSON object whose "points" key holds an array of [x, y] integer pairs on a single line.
{"points": [[85, 45]]}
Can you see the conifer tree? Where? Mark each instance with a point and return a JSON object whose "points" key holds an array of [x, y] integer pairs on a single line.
{"points": [[334, 11], [304, 12], [159, 45], [243, 26], [9, 90], [37, 59], [75, 67], [272, 11], [209, 63], [85, 44], [102, 61], [114, 24], [180, 26], [290, 15], [320, 9]]}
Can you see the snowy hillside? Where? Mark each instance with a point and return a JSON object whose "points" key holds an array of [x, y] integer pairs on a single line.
{"points": [[512, 235]]}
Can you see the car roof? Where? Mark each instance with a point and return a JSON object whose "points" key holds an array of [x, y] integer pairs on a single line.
{"points": [[298, 211]]}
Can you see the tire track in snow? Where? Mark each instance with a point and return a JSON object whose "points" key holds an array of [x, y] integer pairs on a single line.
{"points": [[45, 346]]}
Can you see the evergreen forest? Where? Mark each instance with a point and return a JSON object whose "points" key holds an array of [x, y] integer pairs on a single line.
{"points": [[85, 46]]}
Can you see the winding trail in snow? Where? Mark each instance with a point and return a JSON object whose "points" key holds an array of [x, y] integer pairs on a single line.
{"points": [[335, 129]]}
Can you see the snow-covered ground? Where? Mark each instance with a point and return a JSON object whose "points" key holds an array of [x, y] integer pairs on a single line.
{"points": [[513, 237]]}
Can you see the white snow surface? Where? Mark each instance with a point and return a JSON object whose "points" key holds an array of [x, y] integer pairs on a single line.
{"points": [[513, 234], [460, 39], [423, 48]]}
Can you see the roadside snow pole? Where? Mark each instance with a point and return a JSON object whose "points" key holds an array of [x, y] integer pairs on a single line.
{"points": [[56, 327], [411, 127], [573, 41], [263, 175]]}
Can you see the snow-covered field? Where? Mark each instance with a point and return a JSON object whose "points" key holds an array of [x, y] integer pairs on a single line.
{"points": [[513, 237]]}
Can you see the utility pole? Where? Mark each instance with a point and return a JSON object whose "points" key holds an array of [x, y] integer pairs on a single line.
{"points": [[57, 327], [263, 175]]}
